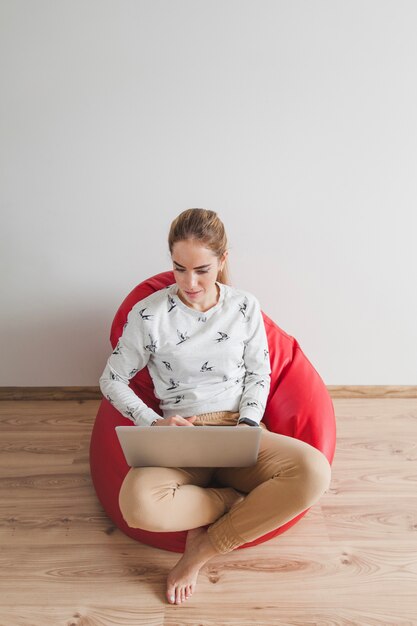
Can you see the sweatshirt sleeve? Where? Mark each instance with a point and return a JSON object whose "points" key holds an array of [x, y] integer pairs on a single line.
{"points": [[258, 368], [129, 357]]}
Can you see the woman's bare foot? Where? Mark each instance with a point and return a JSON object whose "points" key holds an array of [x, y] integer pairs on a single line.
{"points": [[182, 579]]}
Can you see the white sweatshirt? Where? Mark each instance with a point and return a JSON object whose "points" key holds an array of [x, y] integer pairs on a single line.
{"points": [[199, 362]]}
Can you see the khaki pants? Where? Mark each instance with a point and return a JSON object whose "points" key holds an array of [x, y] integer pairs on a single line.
{"points": [[288, 478]]}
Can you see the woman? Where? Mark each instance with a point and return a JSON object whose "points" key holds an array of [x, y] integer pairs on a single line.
{"points": [[205, 345]]}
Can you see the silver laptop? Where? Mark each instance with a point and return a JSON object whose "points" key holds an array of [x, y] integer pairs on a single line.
{"points": [[189, 446]]}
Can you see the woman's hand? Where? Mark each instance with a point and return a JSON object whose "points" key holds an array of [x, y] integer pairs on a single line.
{"points": [[176, 420]]}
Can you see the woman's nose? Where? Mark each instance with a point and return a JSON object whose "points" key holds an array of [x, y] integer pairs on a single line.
{"points": [[191, 285]]}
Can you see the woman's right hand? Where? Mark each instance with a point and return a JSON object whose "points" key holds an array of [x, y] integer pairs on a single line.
{"points": [[176, 420]]}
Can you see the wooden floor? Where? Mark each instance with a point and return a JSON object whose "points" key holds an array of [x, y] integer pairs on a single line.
{"points": [[352, 559]]}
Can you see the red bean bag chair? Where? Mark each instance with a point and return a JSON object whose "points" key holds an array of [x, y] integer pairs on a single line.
{"points": [[298, 405]]}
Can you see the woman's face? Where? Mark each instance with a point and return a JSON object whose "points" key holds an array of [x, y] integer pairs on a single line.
{"points": [[196, 269]]}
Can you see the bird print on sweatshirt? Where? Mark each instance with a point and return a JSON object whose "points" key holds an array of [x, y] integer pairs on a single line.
{"points": [[129, 412], [151, 347], [243, 309], [223, 336], [172, 303], [182, 336], [143, 316], [243, 306]]}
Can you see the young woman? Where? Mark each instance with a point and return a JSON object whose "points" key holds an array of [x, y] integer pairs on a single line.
{"points": [[205, 345]]}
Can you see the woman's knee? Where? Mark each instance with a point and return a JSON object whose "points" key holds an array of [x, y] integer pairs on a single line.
{"points": [[314, 471], [138, 499], [137, 516]]}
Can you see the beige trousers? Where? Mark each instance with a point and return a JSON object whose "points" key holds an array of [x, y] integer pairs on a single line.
{"points": [[288, 478]]}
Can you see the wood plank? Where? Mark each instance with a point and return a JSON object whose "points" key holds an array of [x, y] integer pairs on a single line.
{"points": [[286, 614]]}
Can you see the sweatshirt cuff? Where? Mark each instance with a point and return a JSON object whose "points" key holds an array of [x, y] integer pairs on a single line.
{"points": [[145, 418], [249, 414]]}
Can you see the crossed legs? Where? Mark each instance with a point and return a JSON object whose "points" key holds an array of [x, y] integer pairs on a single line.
{"points": [[288, 478]]}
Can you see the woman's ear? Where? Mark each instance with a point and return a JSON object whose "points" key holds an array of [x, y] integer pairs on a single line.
{"points": [[224, 258]]}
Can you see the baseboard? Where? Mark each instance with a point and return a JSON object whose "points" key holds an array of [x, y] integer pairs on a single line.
{"points": [[94, 393]]}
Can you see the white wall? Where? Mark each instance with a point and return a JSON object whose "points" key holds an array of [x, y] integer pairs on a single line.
{"points": [[295, 121]]}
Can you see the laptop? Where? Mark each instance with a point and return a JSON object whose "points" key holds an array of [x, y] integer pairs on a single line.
{"points": [[189, 446]]}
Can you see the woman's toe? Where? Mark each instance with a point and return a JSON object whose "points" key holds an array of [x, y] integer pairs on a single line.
{"points": [[171, 595]]}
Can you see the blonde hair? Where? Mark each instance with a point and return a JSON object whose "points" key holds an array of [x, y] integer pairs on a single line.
{"points": [[206, 227]]}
